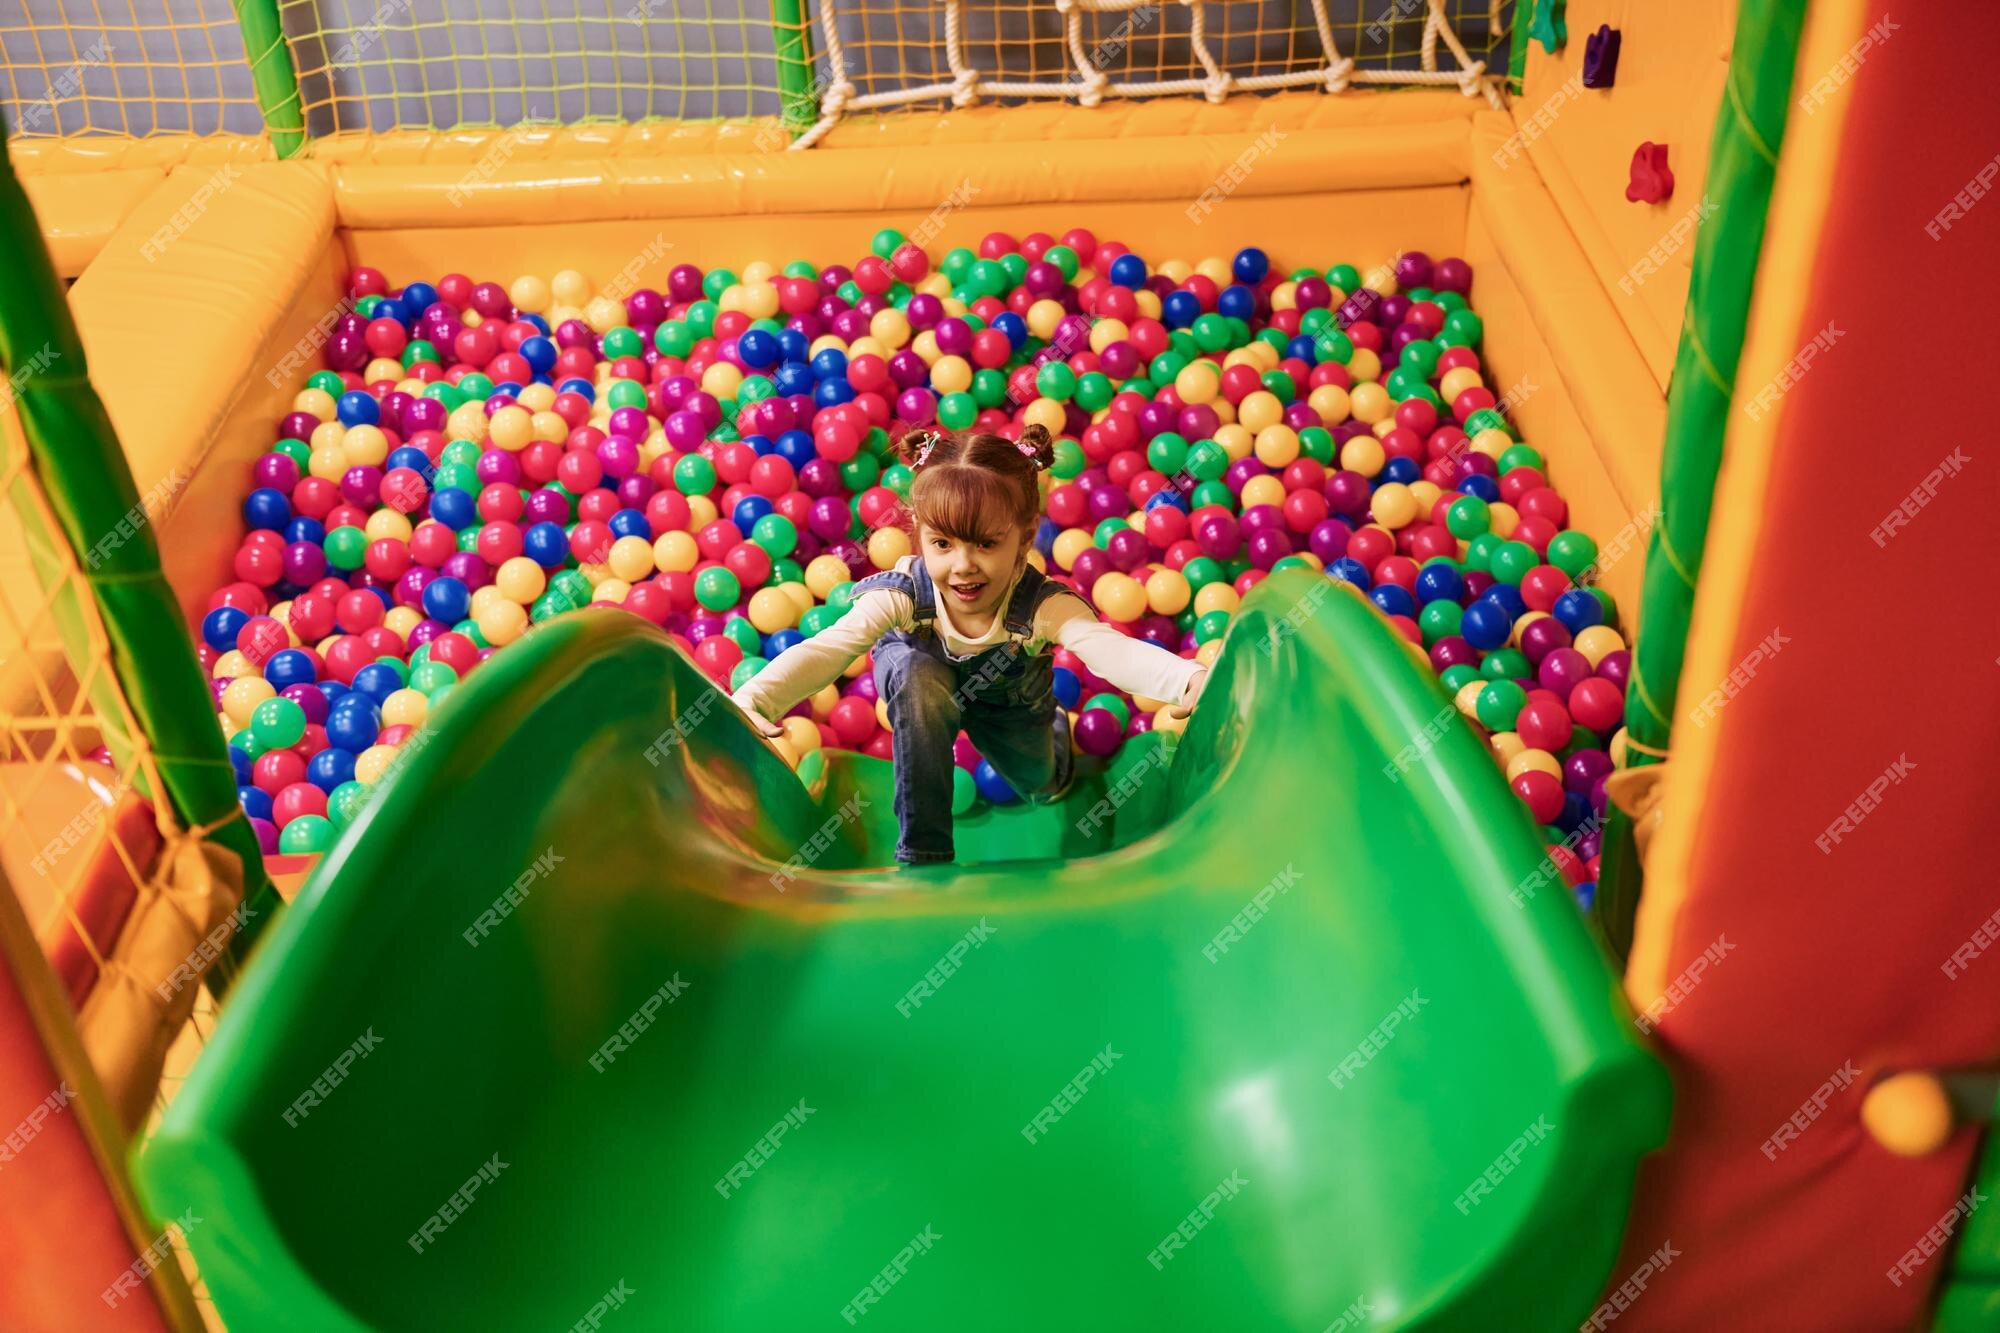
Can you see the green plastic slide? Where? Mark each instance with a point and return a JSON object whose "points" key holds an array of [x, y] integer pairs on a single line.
{"points": [[598, 1018]]}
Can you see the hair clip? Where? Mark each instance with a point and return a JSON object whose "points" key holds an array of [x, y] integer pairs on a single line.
{"points": [[930, 441], [1028, 450]]}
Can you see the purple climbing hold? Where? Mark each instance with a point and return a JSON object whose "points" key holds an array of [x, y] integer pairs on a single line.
{"points": [[1600, 57]]}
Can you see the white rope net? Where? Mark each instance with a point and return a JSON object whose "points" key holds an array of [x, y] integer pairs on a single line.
{"points": [[1097, 34]]}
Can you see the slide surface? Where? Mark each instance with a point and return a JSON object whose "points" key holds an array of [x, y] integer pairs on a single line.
{"points": [[667, 1083]]}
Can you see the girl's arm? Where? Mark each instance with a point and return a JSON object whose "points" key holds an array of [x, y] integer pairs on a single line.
{"points": [[806, 668], [1133, 665]]}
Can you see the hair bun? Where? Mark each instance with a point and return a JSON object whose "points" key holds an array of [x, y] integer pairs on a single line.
{"points": [[1039, 445]]}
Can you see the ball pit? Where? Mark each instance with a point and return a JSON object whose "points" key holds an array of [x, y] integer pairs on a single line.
{"points": [[716, 458]]}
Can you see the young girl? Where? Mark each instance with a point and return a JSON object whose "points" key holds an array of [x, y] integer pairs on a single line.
{"points": [[961, 633]]}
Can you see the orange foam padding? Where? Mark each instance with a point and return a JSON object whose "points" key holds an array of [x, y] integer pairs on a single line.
{"points": [[1837, 937], [61, 1230], [88, 154], [1671, 69], [79, 211], [60, 845]]}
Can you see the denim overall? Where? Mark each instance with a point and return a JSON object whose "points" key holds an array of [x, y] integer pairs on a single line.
{"points": [[1003, 698]]}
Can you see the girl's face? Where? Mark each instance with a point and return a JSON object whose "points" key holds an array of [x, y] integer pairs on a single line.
{"points": [[971, 576]]}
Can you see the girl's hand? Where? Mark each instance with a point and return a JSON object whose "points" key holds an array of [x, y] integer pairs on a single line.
{"points": [[765, 726], [1189, 695]]}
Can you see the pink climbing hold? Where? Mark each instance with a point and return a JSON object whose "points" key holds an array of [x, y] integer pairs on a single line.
{"points": [[1652, 181]]}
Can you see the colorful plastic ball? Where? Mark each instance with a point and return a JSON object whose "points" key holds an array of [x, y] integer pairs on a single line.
{"points": [[1597, 704], [1098, 731], [1577, 610], [1499, 705], [992, 786], [964, 791], [306, 835], [1541, 793], [278, 723]]}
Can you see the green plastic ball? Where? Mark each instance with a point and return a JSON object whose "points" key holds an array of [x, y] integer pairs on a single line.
{"points": [[694, 475], [1316, 443], [344, 802], [1456, 678], [1513, 560], [1093, 391], [740, 674], [964, 791], [1499, 704], [674, 338], [1344, 276], [957, 411], [1202, 571], [1069, 460], [744, 635], [1065, 259], [1468, 517], [1213, 493], [1056, 380], [1111, 704], [623, 341], [1211, 626], [1207, 461], [776, 534], [1102, 534], [1506, 664], [717, 281], [1520, 455], [1212, 331], [1572, 552], [884, 242], [345, 547], [305, 835], [1439, 619], [1167, 453], [278, 723]]}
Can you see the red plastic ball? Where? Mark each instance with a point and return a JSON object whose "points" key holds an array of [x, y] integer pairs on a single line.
{"points": [[1542, 794], [1598, 704]]}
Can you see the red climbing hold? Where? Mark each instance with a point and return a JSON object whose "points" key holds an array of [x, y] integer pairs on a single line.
{"points": [[1652, 181]]}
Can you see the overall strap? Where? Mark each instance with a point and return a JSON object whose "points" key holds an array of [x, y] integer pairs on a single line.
{"points": [[923, 592], [912, 586], [1029, 594]]}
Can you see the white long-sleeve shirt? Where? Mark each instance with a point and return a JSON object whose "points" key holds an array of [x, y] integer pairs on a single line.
{"points": [[804, 669]]}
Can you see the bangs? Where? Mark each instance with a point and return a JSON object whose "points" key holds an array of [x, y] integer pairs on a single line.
{"points": [[968, 504]]}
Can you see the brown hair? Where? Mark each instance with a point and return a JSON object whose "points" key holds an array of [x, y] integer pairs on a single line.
{"points": [[964, 481]]}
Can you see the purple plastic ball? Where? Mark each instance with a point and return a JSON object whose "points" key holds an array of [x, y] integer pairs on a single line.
{"points": [[1582, 770], [1452, 275], [305, 562], [1268, 547], [309, 698], [1453, 650], [1127, 550], [1098, 731], [267, 835], [1091, 565], [468, 568], [277, 471], [1563, 670], [497, 466], [1542, 637], [1329, 540], [1617, 668], [1413, 269]]}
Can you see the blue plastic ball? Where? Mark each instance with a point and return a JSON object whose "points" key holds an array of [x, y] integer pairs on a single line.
{"points": [[1179, 309], [1068, 689], [1013, 326], [1578, 610], [1508, 598], [256, 802], [539, 353], [268, 508], [749, 509], [758, 349], [417, 298], [832, 393], [1128, 270], [1349, 570], [1486, 625], [1440, 582], [1404, 470], [792, 377], [330, 767], [546, 544], [794, 345], [992, 786], [582, 388], [1237, 302], [795, 447], [779, 640], [303, 529], [1250, 265], [454, 508], [411, 457], [220, 627], [358, 408], [353, 726], [830, 364], [290, 666], [448, 599], [1481, 485], [1394, 600], [240, 761], [378, 680], [630, 523]]}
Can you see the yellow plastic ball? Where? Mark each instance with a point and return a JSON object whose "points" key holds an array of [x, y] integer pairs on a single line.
{"points": [[400, 619], [1493, 442], [1467, 697], [1119, 596], [722, 380], [760, 300], [373, 762], [1046, 413], [1506, 745], [678, 551], [1198, 382], [1043, 318], [529, 294], [1164, 720], [823, 575], [1217, 596], [951, 374], [466, 422], [1167, 592], [758, 271], [511, 428], [1371, 403], [1285, 296], [315, 402], [1393, 505], [1068, 545], [890, 326], [1365, 366], [484, 598], [1208, 652], [537, 397], [1260, 410], [701, 512], [882, 715], [802, 598], [570, 287], [772, 610], [521, 579], [1599, 642], [1176, 271], [329, 463], [503, 623], [1263, 490], [1457, 381], [604, 314], [1235, 441], [1363, 454], [1107, 331], [886, 546], [241, 696], [546, 427], [387, 525], [803, 733], [822, 703], [1502, 518], [1381, 280], [608, 589], [1330, 401], [1534, 761], [327, 435], [1277, 447], [1216, 269], [631, 558], [405, 708]]}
